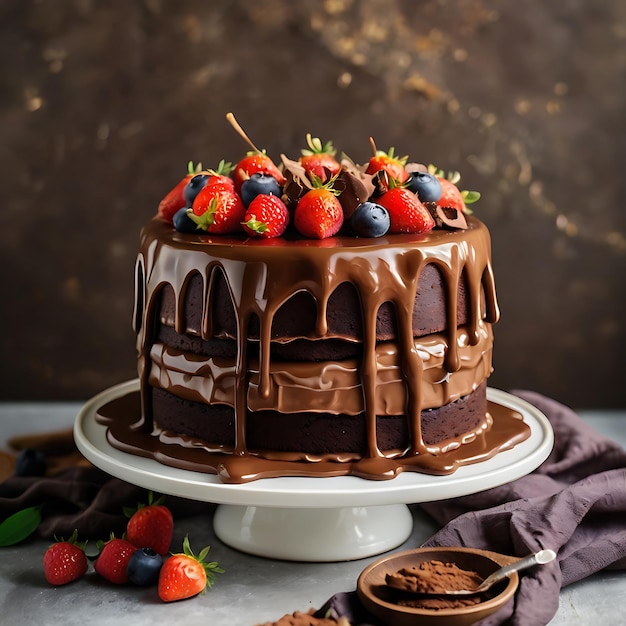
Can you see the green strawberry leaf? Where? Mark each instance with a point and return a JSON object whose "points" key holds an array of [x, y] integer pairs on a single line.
{"points": [[19, 526]]}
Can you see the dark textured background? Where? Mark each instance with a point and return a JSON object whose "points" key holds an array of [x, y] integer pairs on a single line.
{"points": [[103, 103]]}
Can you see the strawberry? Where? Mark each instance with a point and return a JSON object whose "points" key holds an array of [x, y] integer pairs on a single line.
{"points": [[256, 163], [387, 162], [319, 213], [175, 199], [451, 196], [267, 216], [406, 213], [218, 210], [319, 159], [65, 561], [184, 575], [112, 562], [151, 526]]}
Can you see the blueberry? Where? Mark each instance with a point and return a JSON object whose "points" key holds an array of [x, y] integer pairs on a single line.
{"points": [[370, 220], [144, 566], [194, 186], [426, 186], [30, 463], [183, 223], [259, 183]]}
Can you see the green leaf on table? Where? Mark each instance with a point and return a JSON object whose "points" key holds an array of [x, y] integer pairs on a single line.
{"points": [[19, 526]]}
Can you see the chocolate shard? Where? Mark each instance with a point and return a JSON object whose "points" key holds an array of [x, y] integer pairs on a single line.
{"points": [[355, 186], [415, 167], [446, 217], [297, 183]]}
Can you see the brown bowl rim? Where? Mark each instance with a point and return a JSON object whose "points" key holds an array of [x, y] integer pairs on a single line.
{"points": [[493, 603]]}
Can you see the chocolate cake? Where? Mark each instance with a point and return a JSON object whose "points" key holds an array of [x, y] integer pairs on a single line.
{"points": [[312, 346]]}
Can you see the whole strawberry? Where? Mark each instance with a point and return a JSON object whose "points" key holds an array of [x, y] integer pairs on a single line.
{"points": [[175, 198], [151, 526], [218, 210], [319, 213], [388, 162], [65, 561], [184, 575], [255, 162], [406, 213], [112, 562], [453, 198], [267, 217], [319, 159]]}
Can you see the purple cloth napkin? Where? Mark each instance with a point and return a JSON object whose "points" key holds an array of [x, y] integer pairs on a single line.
{"points": [[82, 498], [574, 504]]}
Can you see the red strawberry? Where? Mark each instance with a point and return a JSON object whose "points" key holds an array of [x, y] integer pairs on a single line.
{"points": [[253, 163], [319, 159], [151, 526], [388, 162], [184, 575], [218, 210], [65, 561], [453, 198], [319, 213], [112, 561], [175, 200], [267, 216], [450, 195], [406, 213]]}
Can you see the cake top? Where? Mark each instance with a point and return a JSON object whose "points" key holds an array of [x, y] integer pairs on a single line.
{"points": [[316, 196]]}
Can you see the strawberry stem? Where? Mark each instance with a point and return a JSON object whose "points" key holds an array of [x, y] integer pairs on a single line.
{"points": [[241, 132]]}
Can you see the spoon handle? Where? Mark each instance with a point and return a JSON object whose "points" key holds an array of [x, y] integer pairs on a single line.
{"points": [[541, 557]]}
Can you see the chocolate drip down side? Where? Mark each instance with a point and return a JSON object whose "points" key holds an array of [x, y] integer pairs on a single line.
{"points": [[262, 275]]}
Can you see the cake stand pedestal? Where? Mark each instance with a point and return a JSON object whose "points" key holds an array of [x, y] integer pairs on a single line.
{"points": [[314, 519]]}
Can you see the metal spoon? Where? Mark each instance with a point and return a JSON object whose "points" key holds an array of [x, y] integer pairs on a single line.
{"points": [[538, 558]]}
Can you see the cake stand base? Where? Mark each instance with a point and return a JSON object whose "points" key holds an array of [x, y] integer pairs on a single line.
{"points": [[313, 535], [341, 518]]}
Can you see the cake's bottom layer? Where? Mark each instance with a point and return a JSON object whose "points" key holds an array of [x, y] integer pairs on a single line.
{"points": [[128, 431], [319, 433]]}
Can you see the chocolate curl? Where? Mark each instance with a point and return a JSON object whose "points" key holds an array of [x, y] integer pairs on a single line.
{"points": [[446, 217], [411, 168]]}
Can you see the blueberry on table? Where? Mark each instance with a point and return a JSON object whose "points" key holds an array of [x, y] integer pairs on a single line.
{"points": [[30, 463], [259, 183], [193, 187], [426, 186], [144, 566], [370, 220]]}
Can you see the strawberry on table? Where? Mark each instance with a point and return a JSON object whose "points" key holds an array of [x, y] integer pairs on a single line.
{"points": [[387, 162], [406, 213], [185, 575], [175, 198], [150, 526], [267, 217], [218, 210], [319, 213], [65, 561], [112, 562], [319, 159]]}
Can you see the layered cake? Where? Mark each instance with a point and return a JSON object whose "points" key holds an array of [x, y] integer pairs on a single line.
{"points": [[314, 318]]}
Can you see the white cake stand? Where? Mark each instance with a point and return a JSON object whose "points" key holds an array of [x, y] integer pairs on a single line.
{"points": [[314, 519]]}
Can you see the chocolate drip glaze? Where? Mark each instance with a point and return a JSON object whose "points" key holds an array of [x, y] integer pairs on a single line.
{"points": [[262, 275]]}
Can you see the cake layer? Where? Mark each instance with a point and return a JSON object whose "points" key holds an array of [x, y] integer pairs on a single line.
{"points": [[307, 435], [327, 386]]}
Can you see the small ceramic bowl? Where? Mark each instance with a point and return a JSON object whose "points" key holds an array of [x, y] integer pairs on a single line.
{"points": [[378, 599]]}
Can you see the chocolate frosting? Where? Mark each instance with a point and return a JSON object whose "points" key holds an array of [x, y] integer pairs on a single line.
{"points": [[261, 275]]}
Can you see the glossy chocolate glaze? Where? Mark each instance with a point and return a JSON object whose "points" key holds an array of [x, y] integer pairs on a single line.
{"points": [[261, 276], [122, 416]]}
